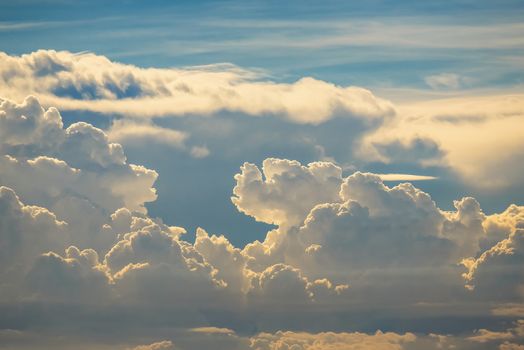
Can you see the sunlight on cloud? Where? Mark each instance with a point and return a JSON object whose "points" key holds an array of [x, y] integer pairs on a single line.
{"points": [[94, 83], [342, 244], [481, 136], [405, 177]]}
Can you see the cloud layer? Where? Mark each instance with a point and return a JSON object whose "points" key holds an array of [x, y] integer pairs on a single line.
{"points": [[90, 82], [76, 237]]}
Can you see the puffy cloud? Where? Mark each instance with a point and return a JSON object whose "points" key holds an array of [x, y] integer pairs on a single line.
{"points": [[80, 155], [340, 216], [339, 242], [499, 265], [366, 235], [25, 233], [500, 261], [76, 172], [227, 259], [91, 82], [79, 276], [151, 264], [284, 285], [285, 191]]}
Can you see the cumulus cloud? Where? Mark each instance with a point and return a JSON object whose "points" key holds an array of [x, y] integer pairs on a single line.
{"points": [[369, 234], [338, 216], [284, 191], [75, 172], [25, 233], [153, 265], [501, 264], [92, 82], [75, 234]]}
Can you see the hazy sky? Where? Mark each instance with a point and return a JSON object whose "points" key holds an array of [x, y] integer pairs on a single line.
{"points": [[268, 175]]}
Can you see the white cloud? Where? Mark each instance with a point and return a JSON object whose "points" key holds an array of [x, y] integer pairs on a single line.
{"points": [[25, 233], [285, 191], [76, 172], [200, 151], [444, 81], [91, 82], [339, 242], [124, 131], [466, 130]]}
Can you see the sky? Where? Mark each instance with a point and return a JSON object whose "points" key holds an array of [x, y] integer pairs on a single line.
{"points": [[261, 175]]}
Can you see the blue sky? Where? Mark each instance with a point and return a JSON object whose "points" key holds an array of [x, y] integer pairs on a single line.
{"points": [[377, 44]]}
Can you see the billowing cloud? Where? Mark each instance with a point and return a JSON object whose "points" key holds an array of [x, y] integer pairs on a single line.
{"points": [[344, 220], [284, 191], [75, 172], [91, 82], [25, 233], [76, 237]]}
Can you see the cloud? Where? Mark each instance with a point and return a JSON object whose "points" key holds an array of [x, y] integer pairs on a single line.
{"points": [[285, 191], [484, 336], [335, 341], [77, 277], [444, 81], [212, 330], [367, 234], [123, 131], [75, 172], [94, 83], [465, 133], [501, 264], [200, 151], [516, 310], [25, 233], [342, 247], [165, 344]]}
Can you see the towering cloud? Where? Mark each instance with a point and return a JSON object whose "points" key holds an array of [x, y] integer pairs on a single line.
{"points": [[75, 236]]}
